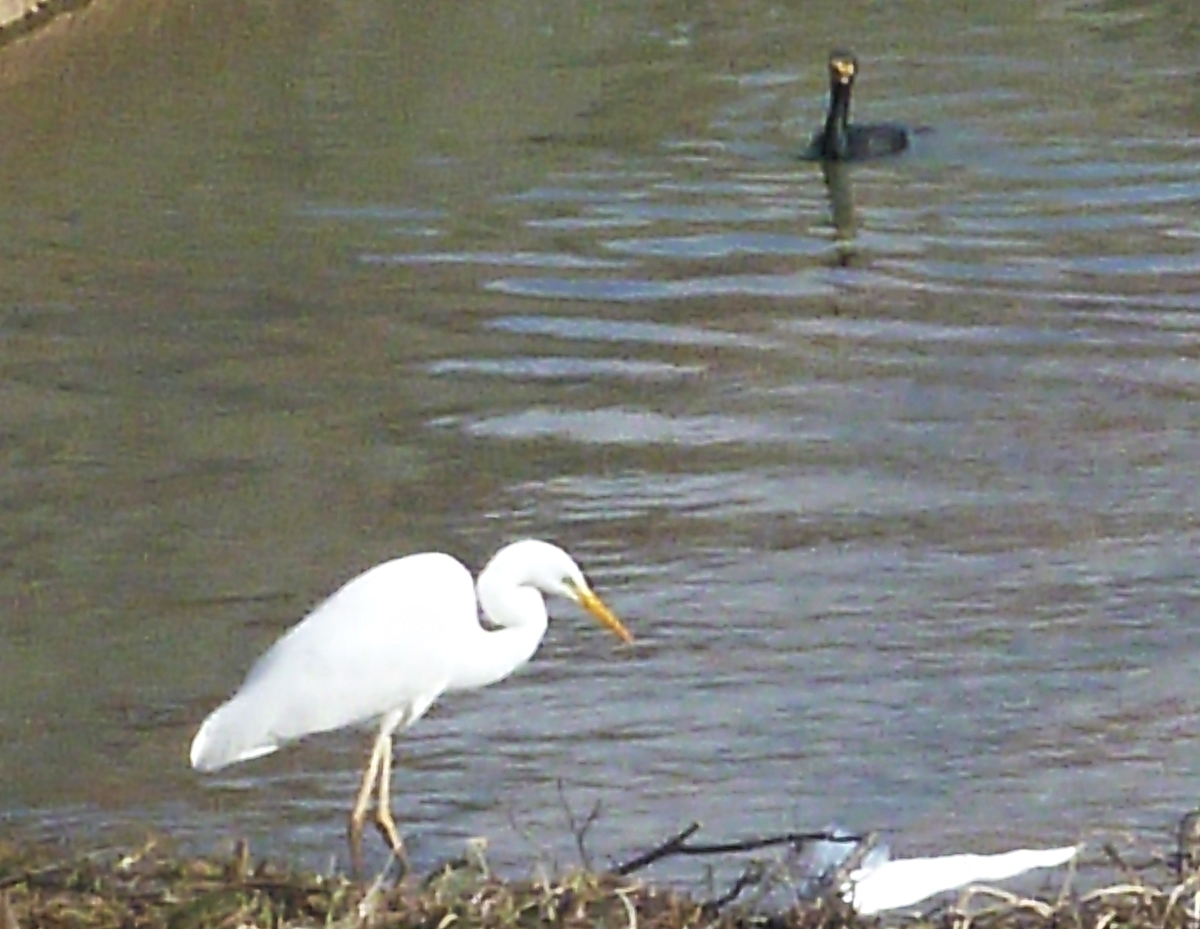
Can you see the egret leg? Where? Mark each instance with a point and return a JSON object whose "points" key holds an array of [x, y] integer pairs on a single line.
{"points": [[383, 810], [358, 816]]}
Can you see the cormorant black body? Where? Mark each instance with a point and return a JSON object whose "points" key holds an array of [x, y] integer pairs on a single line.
{"points": [[841, 141]]}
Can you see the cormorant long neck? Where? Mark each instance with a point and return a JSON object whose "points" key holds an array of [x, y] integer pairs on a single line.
{"points": [[837, 123]]}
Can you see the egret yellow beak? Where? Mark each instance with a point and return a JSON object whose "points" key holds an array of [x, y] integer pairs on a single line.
{"points": [[607, 618]]}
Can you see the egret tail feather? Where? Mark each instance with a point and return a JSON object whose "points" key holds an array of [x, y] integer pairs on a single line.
{"points": [[219, 744]]}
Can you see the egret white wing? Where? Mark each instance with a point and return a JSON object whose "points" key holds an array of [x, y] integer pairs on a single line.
{"points": [[384, 641]]}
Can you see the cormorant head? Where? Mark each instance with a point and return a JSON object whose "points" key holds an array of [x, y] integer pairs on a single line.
{"points": [[843, 67]]}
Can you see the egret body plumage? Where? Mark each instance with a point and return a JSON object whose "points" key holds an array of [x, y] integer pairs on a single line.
{"points": [[384, 647]]}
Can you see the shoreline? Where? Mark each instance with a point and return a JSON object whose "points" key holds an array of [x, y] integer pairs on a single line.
{"points": [[149, 887]]}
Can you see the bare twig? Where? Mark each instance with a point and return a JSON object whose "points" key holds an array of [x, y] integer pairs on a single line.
{"points": [[750, 845], [579, 829], [751, 877], [678, 845], [672, 846], [1132, 869]]}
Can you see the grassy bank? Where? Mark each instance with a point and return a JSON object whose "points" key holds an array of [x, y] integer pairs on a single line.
{"points": [[150, 887]]}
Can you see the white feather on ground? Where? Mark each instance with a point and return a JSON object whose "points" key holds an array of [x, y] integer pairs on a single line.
{"points": [[881, 883], [891, 885]]}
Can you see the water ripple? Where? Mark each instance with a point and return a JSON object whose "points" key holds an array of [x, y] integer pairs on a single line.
{"points": [[631, 427], [516, 259], [565, 368], [719, 245], [619, 330], [809, 283]]}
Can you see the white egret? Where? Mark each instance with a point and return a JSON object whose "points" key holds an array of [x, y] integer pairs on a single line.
{"points": [[383, 648]]}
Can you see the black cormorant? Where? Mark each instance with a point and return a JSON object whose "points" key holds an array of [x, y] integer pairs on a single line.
{"points": [[840, 141]]}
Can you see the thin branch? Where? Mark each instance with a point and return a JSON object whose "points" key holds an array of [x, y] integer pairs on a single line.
{"points": [[751, 877], [579, 829], [678, 845], [672, 846], [750, 845]]}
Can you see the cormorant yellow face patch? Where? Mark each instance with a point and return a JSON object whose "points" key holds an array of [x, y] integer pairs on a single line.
{"points": [[842, 69]]}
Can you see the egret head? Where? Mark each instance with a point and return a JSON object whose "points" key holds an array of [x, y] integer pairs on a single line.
{"points": [[546, 567]]}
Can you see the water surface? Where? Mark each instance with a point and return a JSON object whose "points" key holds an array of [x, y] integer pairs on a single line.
{"points": [[894, 480]]}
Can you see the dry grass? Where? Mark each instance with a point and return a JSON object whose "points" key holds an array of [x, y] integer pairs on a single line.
{"points": [[150, 888]]}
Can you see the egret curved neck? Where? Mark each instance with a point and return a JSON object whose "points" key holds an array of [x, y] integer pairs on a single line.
{"points": [[491, 655]]}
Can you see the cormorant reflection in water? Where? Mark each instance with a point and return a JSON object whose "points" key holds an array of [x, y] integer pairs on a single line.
{"points": [[839, 142]]}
